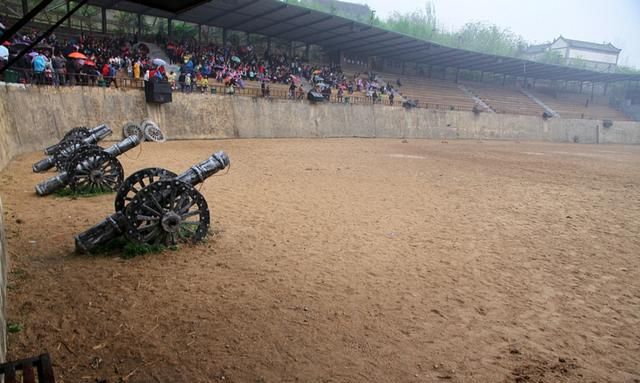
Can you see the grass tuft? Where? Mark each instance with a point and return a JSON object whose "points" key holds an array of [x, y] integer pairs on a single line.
{"points": [[86, 193], [127, 249], [13, 328]]}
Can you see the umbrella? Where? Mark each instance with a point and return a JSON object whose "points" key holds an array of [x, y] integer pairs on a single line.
{"points": [[236, 59], [77, 55], [6, 43], [89, 63], [4, 53], [159, 62], [33, 54], [318, 78], [317, 71]]}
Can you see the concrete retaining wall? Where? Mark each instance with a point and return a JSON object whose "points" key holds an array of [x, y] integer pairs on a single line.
{"points": [[35, 117]]}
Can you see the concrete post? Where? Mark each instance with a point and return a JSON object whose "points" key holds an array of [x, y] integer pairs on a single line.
{"points": [[169, 28], [306, 52], [225, 33], [104, 20], [592, 91], [199, 34], [268, 45], [248, 38], [504, 79], [606, 86]]}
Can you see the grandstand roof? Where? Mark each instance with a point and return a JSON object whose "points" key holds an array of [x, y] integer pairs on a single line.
{"points": [[281, 20]]}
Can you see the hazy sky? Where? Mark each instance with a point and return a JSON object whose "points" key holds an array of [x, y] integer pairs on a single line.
{"points": [[538, 21]]}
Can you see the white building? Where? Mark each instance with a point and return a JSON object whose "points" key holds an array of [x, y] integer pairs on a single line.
{"points": [[602, 57]]}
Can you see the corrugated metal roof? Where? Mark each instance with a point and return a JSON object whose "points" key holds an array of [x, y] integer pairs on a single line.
{"points": [[278, 19]]}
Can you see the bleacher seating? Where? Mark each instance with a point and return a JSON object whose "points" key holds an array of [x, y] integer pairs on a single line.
{"points": [[575, 106], [504, 99], [430, 93]]}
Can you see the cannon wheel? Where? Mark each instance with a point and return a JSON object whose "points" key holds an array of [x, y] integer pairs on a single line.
{"points": [[152, 132], [138, 181], [66, 151], [80, 132], [166, 213], [94, 170], [133, 129]]}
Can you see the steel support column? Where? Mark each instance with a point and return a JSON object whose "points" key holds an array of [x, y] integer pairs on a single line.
{"points": [[104, 20]]}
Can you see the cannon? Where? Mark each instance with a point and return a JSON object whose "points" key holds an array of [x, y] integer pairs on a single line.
{"points": [[62, 152], [90, 168], [157, 207]]}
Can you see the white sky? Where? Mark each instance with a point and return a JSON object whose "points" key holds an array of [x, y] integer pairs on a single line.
{"points": [[539, 21]]}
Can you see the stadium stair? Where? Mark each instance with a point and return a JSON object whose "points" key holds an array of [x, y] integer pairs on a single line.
{"points": [[539, 102]]}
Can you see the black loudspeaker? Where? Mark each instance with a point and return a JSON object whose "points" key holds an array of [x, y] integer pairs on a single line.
{"points": [[157, 91], [315, 97]]}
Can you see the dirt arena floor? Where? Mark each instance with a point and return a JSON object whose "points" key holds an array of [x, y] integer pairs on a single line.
{"points": [[347, 260]]}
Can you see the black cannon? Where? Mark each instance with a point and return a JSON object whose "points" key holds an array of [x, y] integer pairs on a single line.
{"points": [[156, 206], [90, 168], [60, 153]]}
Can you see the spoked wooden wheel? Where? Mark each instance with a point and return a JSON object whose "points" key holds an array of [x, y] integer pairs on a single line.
{"points": [[94, 170], [138, 181], [79, 132], [66, 151], [167, 213]]}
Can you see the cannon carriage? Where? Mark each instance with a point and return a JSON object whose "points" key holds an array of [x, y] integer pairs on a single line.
{"points": [[156, 206], [60, 154], [89, 168]]}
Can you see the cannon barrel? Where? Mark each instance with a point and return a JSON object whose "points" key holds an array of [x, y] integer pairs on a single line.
{"points": [[97, 134], [95, 131], [62, 179], [115, 225]]}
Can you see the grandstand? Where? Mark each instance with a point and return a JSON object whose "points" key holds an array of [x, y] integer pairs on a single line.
{"points": [[431, 93], [570, 105], [505, 99]]}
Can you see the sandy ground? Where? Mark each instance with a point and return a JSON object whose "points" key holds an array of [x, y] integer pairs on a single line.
{"points": [[347, 260]]}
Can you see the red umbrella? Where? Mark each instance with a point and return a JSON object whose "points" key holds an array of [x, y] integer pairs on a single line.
{"points": [[77, 55], [7, 43], [89, 63]]}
